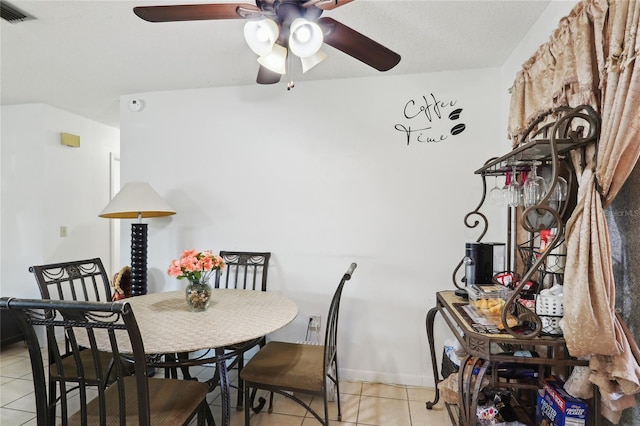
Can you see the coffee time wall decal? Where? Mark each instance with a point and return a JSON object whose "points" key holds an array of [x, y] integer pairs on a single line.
{"points": [[430, 119]]}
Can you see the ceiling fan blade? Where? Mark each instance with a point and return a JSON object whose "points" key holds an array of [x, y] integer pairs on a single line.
{"points": [[195, 12], [325, 4], [358, 45], [266, 76]]}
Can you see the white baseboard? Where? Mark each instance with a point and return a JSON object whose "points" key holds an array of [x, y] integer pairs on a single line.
{"points": [[390, 378]]}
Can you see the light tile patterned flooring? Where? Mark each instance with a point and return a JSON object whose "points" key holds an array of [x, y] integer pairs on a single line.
{"points": [[370, 404]]}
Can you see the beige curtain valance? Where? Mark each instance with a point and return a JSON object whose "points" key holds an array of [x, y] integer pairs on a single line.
{"points": [[562, 72]]}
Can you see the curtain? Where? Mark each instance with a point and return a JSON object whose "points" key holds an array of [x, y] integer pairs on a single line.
{"points": [[591, 59]]}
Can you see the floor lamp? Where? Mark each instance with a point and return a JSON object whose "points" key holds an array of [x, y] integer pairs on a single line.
{"points": [[137, 200]]}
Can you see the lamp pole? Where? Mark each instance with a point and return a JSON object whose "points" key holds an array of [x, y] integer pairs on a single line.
{"points": [[138, 257]]}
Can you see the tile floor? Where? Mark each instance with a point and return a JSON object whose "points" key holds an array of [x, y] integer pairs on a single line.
{"points": [[370, 404]]}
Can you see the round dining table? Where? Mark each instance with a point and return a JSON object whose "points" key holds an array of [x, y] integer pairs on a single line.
{"points": [[234, 316], [168, 328]]}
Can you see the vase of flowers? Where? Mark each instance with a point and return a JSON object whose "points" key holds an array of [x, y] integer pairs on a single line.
{"points": [[197, 267]]}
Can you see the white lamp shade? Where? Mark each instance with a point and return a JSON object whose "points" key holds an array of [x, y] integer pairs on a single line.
{"points": [[276, 60], [136, 199], [305, 38], [313, 60], [261, 35]]}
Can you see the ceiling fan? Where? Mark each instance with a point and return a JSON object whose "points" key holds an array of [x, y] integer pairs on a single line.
{"points": [[277, 27]]}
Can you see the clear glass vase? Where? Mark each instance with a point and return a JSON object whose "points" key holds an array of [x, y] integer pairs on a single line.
{"points": [[198, 295]]}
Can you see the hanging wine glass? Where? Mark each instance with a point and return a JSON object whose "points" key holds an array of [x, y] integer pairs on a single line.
{"points": [[560, 192], [535, 187], [507, 181], [514, 190], [496, 196]]}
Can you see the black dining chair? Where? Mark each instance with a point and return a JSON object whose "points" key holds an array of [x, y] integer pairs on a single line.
{"points": [[299, 368], [77, 280], [129, 399], [244, 270], [248, 271]]}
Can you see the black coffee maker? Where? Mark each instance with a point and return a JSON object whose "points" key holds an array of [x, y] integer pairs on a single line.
{"points": [[482, 262]]}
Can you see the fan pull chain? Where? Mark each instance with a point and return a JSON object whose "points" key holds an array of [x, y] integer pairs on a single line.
{"points": [[290, 84]]}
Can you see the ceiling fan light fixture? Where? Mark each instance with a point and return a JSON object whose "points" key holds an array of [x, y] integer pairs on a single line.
{"points": [[313, 60], [305, 38], [261, 35], [276, 60]]}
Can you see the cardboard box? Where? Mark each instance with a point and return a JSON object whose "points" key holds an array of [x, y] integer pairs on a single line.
{"points": [[556, 407]]}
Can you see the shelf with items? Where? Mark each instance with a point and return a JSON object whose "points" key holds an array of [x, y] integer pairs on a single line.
{"points": [[492, 360], [538, 216], [552, 270], [546, 283], [504, 408]]}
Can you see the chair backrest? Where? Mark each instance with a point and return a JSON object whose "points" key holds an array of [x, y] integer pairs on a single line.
{"points": [[244, 270], [331, 333], [84, 280], [83, 324]]}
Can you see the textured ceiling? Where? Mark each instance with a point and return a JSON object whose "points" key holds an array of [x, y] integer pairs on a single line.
{"points": [[80, 56]]}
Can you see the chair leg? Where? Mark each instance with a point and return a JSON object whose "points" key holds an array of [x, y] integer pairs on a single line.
{"points": [[326, 408], [337, 382], [53, 389], [240, 382], [261, 401], [271, 402], [202, 413], [248, 403], [207, 415], [63, 401]]}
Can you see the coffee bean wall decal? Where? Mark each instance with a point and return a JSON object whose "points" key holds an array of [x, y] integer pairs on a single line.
{"points": [[457, 129], [455, 114]]}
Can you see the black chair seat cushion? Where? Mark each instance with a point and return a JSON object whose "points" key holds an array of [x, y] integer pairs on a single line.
{"points": [[288, 366], [170, 402]]}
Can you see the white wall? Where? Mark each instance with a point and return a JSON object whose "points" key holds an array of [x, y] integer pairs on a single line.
{"points": [[46, 185], [320, 177]]}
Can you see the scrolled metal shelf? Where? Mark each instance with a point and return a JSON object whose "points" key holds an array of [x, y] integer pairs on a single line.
{"points": [[548, 140]]}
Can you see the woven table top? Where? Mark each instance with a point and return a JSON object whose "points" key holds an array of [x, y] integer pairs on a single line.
{"points": [[234, 316]]}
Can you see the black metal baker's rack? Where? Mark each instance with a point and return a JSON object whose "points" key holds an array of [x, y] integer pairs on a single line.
{"points": [[556, 140]]}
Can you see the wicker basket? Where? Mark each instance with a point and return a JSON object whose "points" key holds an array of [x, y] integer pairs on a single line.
{"points": [[549, 305]]}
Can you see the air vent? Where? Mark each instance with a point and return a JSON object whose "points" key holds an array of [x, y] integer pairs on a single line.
{"points": [[11, 14]]}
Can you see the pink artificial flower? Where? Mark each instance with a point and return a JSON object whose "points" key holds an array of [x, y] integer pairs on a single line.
{"points": [[174, 269], [195, 265], [206, 264], [189, 253]]}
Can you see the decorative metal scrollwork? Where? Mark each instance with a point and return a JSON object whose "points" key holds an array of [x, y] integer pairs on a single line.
{"points": [[471, 223], [574, 128], [478, 345]]}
